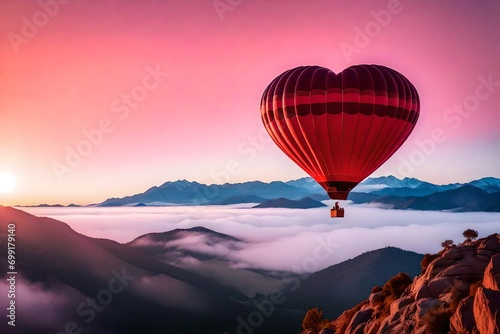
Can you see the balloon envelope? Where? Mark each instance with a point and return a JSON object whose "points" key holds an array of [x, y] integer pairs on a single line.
{"points": [[340, 128]]}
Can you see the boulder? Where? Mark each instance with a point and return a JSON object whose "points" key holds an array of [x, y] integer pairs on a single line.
{"points": [[439, 286], [404, 327], [486, 311], [394, 316], [408, 311], [361, 317], [426, 305], [359, 329], [491, 278], [485, 252], [437, 266], [422, 292], [469, 265], [372, 326], [376, 298], [454, 253], [452, 298], [462, 321], [491, 243], [463, 283], [398, 304], [418, 284]]}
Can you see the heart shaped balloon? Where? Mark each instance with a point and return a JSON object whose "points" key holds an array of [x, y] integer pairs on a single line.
{"points": [[340, 128]]}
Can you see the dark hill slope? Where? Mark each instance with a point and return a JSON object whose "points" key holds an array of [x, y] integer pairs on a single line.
{"points": [[345, 284]]}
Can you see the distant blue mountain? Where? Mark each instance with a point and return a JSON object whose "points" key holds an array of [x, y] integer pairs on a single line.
{"points": [[464, 198], [392, 186], [394, 182], [306, 183], [304, 203], [488, 184], [423, 189], [194, 193]]}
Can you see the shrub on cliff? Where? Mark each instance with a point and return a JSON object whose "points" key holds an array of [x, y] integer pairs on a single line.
{"points": [[314, 321], [397, 285]]}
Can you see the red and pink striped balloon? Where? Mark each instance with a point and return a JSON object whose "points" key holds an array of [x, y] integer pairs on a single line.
{"points": [[340, 128]]}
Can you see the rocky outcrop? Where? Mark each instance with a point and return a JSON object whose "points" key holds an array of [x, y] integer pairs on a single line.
{"points": [[457, 292]]}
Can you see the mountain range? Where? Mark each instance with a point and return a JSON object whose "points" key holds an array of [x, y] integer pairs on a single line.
{"points": [[463, 198], [406, 193], [179, 281]]}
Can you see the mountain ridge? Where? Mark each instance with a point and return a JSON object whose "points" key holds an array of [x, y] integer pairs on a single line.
{"points": [[303, 203], [356, 277], [467, 198], [406, 193]]}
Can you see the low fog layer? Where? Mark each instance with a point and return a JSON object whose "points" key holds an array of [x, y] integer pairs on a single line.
{"points": [[282, 239], [58, 304]]}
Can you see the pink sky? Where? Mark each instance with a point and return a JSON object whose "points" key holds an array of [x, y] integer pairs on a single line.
{"points": [[65, 78]]}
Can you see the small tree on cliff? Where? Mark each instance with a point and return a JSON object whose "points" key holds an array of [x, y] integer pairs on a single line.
{"points": [[470, 235], [447, 244]]}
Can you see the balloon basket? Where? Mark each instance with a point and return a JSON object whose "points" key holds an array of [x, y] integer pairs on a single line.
{"points": [[336, 213]]}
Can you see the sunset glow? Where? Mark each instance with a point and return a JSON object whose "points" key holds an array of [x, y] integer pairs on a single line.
{"points": [[7, 183]]}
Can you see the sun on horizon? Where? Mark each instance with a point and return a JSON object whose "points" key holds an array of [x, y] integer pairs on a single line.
{"points": [[7, 183]]}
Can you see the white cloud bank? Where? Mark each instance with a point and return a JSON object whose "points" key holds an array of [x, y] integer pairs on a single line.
{"points": [[285, 239]]}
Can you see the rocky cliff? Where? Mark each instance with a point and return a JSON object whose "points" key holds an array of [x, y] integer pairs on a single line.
{"points": [[458, 291]]}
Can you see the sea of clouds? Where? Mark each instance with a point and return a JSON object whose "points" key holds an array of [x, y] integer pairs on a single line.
{"points": [[282, 239]]}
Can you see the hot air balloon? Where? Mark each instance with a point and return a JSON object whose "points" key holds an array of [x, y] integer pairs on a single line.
{"points": [[339, 128]]}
